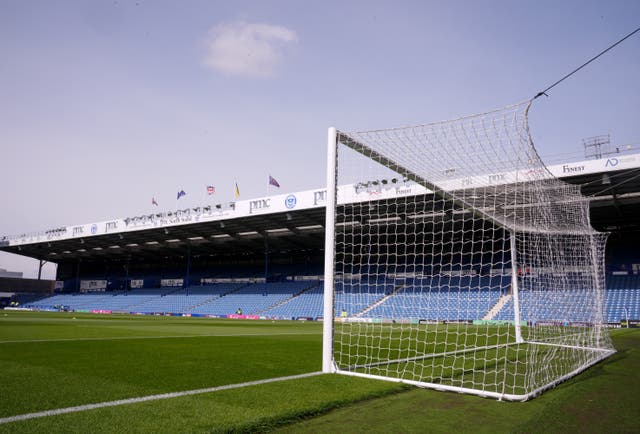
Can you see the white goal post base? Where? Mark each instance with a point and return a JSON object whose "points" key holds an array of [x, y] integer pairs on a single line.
{"points": [[481, 393]]}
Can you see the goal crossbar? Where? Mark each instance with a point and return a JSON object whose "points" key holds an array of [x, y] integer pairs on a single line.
{"points": [[410, 175]]}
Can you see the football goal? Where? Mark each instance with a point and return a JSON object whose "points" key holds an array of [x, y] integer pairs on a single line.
{"points": [[454, 260]]}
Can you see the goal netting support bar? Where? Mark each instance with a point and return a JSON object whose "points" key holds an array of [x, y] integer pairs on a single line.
{"points": [[454, 260]]}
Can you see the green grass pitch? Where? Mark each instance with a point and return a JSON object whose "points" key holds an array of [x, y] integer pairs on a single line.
{"points": [[57, 360]]}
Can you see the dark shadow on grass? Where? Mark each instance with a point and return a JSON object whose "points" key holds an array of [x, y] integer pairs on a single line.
{"points": [[269, 424], [597, 370]]}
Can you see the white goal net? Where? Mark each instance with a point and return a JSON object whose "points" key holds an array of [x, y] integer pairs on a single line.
{"points": [[455, 260]]}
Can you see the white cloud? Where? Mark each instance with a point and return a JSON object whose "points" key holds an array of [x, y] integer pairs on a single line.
{"points": [[247, 49]]}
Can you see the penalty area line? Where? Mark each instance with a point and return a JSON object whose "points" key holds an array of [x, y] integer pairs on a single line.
{"points": [[59, 411]]}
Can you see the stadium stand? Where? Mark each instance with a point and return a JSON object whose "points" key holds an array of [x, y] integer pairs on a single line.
{"points": [[622, 297], [355, 297], [113, 301], [622, 301], [307, 304], [304, 299], [215, 299], [187, 299], [25, 298], [555, 308], [443, 300], [284, 244], [253, 299]]}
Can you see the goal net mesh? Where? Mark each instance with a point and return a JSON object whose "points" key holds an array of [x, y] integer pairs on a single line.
{"points": [[461, 263]]}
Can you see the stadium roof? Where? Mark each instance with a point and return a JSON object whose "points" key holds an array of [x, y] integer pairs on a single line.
{"points": [[294, 223], [286, 231]]}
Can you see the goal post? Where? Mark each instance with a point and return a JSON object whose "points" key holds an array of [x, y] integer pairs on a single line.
{"points": [[455, 260], [329, 270], [514, 289]]}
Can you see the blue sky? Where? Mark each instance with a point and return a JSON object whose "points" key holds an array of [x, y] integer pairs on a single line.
{"points": [[106, 104]]}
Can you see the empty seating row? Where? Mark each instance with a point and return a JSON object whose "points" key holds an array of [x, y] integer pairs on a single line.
{"points": [[434, 297], [252, 299]]}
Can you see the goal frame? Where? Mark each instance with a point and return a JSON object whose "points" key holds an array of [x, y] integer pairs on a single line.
{"points": [[329, 365]]}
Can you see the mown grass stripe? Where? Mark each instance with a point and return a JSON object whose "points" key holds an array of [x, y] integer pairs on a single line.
{"points": [[86, 407], [125, 338]]}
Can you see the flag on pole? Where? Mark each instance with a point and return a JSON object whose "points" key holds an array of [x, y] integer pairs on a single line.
{"points": [[211, 189], [237, 191], [180, 194], [272, 181], [153, 201]]}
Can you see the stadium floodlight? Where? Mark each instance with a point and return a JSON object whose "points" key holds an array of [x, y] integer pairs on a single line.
{"points": [[479, 273]]}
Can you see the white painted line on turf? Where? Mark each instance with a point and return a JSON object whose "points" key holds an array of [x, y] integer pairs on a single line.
{"points": [[78, 408], [124, 338]]}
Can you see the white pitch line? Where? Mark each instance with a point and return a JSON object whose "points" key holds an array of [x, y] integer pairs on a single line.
{"points": [[124, 338], [78, 408]]}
